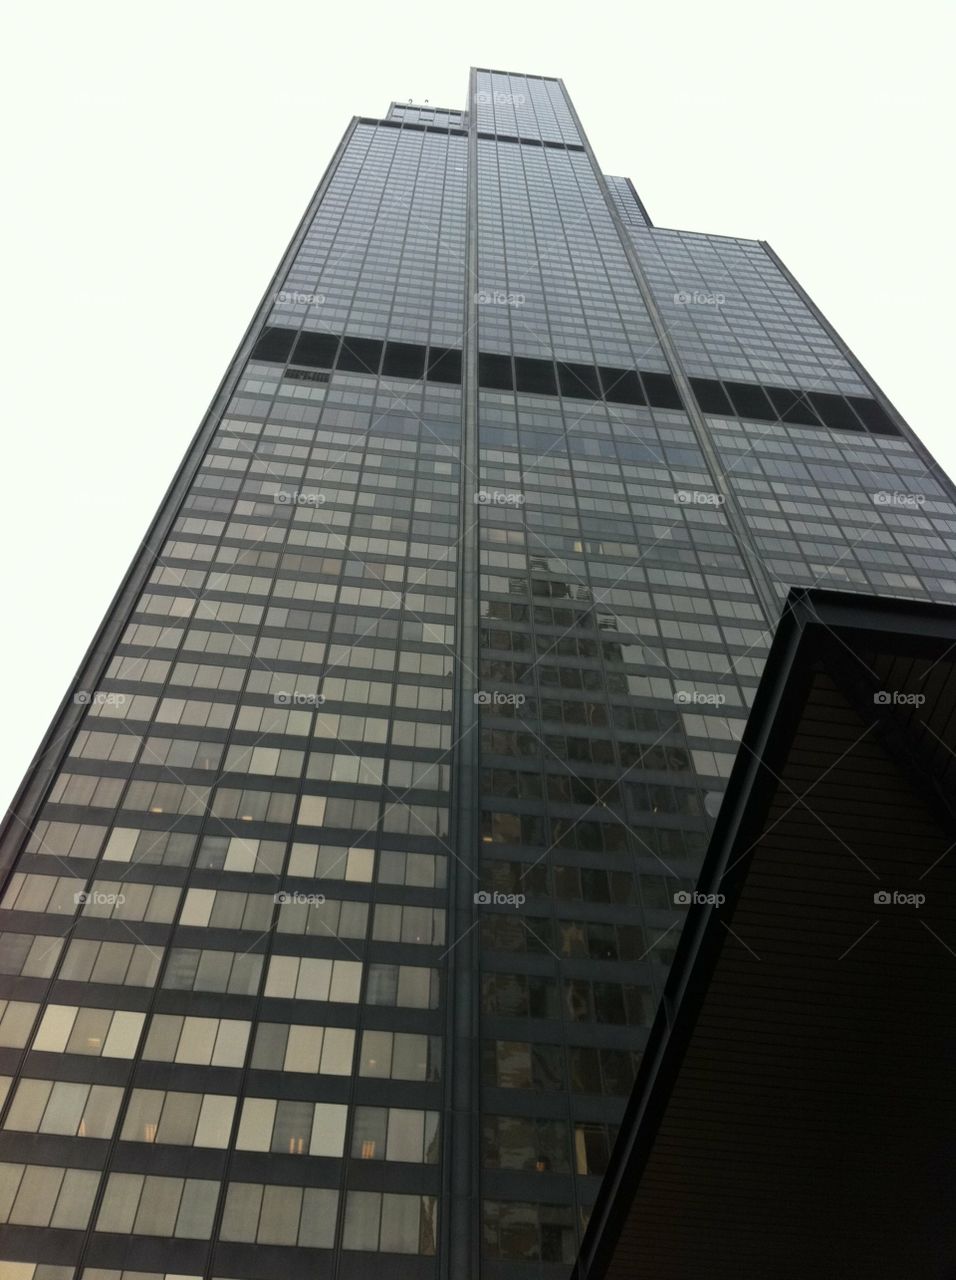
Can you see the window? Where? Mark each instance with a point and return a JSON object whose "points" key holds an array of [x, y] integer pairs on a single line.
{"points": [[311, 811], [400, 1055], [127, 900], [290, 1047], [294, 1128], [592, 1147], [260, 1214], [608, 1071], [393, 923], [331, 917], [518, 995], [166, 797], [33, 1195], [16, 1022], [107, 1033], [293, 978], [11, 1270], [139, 1204], [87, 789], [402, 985], [29, 955], [157, 848], [111, 962], [517, 1064], [531, 1232], [235, 853], [66, 839], [206, 1042], [181, 1119], [76, 1110], [426, 870], [387, 1223], [253, 806], [56, 894], [395, 1133], [524, 1142], [219, 909], [330, 862], [229, 972], [270, 760]]}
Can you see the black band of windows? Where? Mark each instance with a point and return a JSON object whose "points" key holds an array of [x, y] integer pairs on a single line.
{"points": [[786, 404], [572, 379]]}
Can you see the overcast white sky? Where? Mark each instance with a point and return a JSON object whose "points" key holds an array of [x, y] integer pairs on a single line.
{"points": [[158, 161]]}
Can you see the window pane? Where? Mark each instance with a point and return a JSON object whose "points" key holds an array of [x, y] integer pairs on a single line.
{"points": [[376, 1054], [55, 1027], [400, 1224], [328, 1129], [269, 1051], [65, 1108], [158, 1206], [304, 1049], [90, 1032], [102, 1108], [241, 1217], [118, 1209], [281, 1207], [255, 1127], [215, 1121], [124, 1034], [406, 1135], [36, 1198], [318, 1218], [337, 1050], [362, 1212], [178, 1121], [369, 1132], [142, 1117], [196, 1209], [292, 1128], [75, 1203], [29, 1101]]}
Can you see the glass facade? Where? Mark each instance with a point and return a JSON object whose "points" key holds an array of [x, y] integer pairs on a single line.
{"points": [[340, 898]]}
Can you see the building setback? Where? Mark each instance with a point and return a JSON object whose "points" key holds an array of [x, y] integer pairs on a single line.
{"points": [[342, 891]]}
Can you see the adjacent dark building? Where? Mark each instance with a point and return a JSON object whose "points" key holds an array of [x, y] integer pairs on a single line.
{"points": [[343, 889], [793, 1115]]}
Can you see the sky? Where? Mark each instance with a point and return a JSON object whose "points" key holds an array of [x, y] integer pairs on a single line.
{"points": [[159, 160]]}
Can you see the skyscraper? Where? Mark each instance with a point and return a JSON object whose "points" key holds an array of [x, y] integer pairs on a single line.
{"points": [[341, 893]]}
